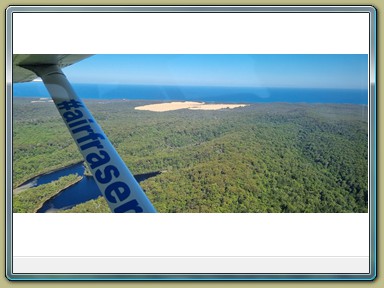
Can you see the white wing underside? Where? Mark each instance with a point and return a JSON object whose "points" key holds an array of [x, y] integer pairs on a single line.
{"points": [[21, 74]]}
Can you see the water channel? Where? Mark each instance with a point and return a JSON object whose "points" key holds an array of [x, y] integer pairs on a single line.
{"points": [[80, 192]]}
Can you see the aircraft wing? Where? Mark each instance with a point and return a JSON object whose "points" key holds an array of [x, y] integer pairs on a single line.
{"points": [[21, 74]]}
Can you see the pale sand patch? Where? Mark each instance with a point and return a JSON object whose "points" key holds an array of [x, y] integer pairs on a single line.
{"points": [[163, 107]]}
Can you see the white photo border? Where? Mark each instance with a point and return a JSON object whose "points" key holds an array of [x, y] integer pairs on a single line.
{"points": [[14, 47]]}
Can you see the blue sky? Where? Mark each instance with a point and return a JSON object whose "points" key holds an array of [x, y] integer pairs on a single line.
{"points": [[291, 70]]}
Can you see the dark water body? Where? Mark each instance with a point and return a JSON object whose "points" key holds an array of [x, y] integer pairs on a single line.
{"points": [[55, 175], [202, 93], [83, 191]]}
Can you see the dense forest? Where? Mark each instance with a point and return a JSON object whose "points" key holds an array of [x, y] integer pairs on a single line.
{"points": [[270, 157]]}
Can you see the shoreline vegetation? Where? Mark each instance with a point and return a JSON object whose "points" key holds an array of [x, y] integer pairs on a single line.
{"points": [[19, 183], [21, 187], [98, 205], [32, 199], [261, 157]]}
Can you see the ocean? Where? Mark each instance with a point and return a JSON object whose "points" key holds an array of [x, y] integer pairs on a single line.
{"points": [[202, 93]]}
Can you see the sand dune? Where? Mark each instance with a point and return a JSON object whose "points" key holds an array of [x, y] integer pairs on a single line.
{"points": [[163, 107]]}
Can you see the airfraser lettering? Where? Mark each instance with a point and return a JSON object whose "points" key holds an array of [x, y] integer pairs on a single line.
{"points": [[118, 190], [109, 172], [92, 144]]}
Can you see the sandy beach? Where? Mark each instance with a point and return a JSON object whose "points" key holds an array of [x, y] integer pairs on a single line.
{"points": [[163, 107]]}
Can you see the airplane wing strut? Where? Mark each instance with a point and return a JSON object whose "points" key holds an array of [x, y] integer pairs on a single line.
{"points": [[113, 177]]}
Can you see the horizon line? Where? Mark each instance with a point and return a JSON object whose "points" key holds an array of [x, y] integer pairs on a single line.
{"points": [[205, 85]]}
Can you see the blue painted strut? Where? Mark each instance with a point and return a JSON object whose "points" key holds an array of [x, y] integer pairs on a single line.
{"points": [[113, 177]]}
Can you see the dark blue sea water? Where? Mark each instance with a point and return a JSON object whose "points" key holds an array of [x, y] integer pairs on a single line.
{"points": [[203, 93]]}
